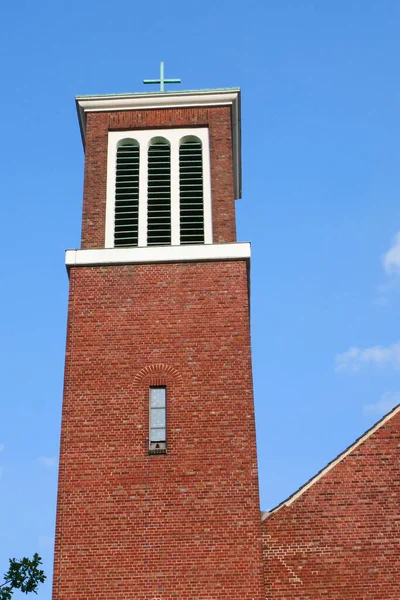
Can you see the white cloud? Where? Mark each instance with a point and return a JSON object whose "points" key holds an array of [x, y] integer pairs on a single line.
{"points": [[1, 447], [45, 542], [385, 403], [391, 260], [391, 266], [355, 359], [381, 301], [387, 289], [48, 461]]}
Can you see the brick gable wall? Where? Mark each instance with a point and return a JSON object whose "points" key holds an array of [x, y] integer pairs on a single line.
{"points": [[340, 539]]}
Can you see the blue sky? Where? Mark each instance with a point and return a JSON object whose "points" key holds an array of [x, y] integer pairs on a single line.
{"points": [[321, 182]]}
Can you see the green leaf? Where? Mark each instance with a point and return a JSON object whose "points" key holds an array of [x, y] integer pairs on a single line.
{"points": [[24, 575]]}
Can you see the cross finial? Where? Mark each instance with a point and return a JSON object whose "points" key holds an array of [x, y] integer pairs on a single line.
{"points": [[162, 79]]}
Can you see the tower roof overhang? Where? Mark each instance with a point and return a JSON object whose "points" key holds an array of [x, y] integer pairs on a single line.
{"points": [[161, 100]]}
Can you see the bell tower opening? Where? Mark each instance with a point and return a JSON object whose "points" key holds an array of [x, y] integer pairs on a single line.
{"points": [[159, 193], [158, 188], [126, 193], [191, 191]]}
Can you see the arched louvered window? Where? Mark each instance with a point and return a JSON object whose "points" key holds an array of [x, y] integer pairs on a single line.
{"points": [[158, 188], [191, 191], [159, 193], [126, 194]]}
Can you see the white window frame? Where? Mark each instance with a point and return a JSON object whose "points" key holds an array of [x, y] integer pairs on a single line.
{"points": [[144, 137], [162, 445]]}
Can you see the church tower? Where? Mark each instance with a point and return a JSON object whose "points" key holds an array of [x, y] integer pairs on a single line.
{"points": [[158, 485]]}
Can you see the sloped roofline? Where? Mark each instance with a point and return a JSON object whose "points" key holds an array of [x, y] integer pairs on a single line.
{"points": [[332, 464], [172, 99]]}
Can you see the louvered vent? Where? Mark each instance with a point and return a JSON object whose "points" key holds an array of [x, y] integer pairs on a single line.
{"points": [[191, 193], [159, 194], [127, 195]]}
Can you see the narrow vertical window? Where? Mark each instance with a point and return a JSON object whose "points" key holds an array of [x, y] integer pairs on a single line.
{"points": [[191, 191], [127, 194], [159, 193], [158, 424]]}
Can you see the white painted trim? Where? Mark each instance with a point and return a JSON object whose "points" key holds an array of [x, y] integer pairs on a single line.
{"points": [[333, 464], [143, 184], [158, 254], [157, 100], [175, 199], [143, 137], [207, 202], [110, 190]]}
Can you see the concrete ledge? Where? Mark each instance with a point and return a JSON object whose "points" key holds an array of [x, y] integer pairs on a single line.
{"points": [[157, 254]]}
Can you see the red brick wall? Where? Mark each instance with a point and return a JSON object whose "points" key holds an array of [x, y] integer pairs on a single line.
{"points": [[341, 538], [217, 119], [183, 526]]}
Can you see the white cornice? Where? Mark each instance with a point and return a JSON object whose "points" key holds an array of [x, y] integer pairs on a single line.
{"points": [[157, 100], [229, 97], [157, 254]]}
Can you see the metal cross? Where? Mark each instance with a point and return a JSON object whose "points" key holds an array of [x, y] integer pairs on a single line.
{"points": [[162, 80]]}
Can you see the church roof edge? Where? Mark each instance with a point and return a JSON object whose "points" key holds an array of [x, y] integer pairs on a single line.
{"points": [[360, 440], [157, 93]]}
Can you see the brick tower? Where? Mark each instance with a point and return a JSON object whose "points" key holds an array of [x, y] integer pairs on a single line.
{"points": [[158, 486]]}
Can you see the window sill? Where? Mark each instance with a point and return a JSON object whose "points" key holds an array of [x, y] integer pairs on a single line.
{"points": [[157, 451]]}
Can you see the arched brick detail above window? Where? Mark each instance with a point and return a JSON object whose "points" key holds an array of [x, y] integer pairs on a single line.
{"points": [[158, 374]]}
